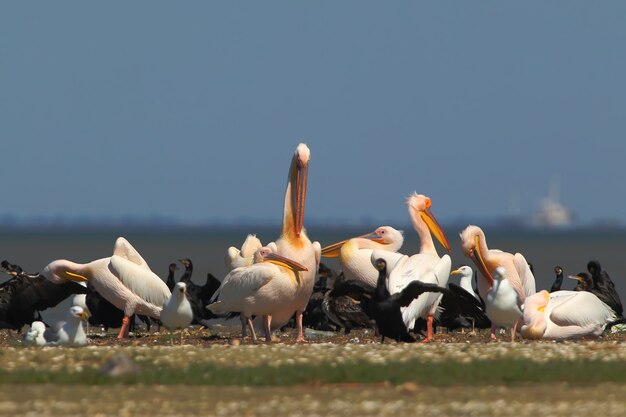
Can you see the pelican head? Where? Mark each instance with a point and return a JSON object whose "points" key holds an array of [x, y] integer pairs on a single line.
{"points": [[474, 246], [534, 309], [385, 235], [79, 313], [420, 204], [59, 272], [298, 179], [265, 254]]}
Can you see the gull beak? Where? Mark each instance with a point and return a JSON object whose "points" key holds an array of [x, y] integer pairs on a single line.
{"points": [[332, 251], [75, 277], [284, 262], [83, 315], [480, 262], [455, 272], [434, 227]]}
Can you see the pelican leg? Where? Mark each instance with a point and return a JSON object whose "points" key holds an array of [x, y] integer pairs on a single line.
{"points": [[300, 336], [267, 325], [492, 335], [123, 334], [251, 325], [429, 329]]}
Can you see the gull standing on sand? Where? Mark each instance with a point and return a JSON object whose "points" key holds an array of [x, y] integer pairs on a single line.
{"points": [[124, 279], [177, 312], [503, 303]]}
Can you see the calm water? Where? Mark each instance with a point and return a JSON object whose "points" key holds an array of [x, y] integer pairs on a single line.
{"points": [[206, 247]]}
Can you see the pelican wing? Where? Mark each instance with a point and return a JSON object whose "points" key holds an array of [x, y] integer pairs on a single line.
{"points": [[582, 309], [124, 249], [317, 247], [140, 280], [527, 278], [243, 282]]}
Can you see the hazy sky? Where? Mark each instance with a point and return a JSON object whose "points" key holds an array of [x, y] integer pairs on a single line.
{"points": [[193, 109]]}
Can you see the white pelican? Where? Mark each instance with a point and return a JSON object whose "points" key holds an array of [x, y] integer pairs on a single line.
{"points": [[124, 280], [565, 315], [355, 254], [260, 289], [35, 334], [425, 266], [235, 258], [70, 332], [503, 304], [474, 245], [294, 243]]}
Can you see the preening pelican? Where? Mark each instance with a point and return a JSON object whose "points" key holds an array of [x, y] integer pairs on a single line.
{"points": [[294, 243], [260, 289], [474, 245], [426, 266], [565, 315], [245, 257], [124, 279], [355, 254], [503, 303]]}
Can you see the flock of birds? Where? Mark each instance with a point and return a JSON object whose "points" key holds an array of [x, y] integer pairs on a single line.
{"points": [[399, 295]]}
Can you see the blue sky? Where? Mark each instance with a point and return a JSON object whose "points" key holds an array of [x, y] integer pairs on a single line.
{"points": [[193, 109]]}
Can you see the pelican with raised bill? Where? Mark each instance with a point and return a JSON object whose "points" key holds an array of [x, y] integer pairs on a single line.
{"points": [[294, 244], [565, 315], [425, 266], [355, 254], [474, 245], [260, 289], [124, 279]]}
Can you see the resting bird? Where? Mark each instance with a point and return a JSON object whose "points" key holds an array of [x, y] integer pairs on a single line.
{"points": [[35, 334], [244, 257], [462, 307], [355, 254], [343, 310], [24, 295], [503, 304], [565, 315], [70, 332], [384, 307], [604, 288], [558, 281], [124, 279], [177, 312]]}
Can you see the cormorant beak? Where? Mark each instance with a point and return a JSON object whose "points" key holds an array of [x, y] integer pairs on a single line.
{"points": [[284, 262], [479, 261], [302, 172], [434, 227], [332, 251], [75, 277], [577, 278]]}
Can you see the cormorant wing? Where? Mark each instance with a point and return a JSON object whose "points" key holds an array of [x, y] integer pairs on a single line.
{"points": [[352, 288], [413, 290]]}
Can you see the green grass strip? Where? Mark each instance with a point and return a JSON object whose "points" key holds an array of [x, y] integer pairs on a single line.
{"points": [[436, 374]]}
